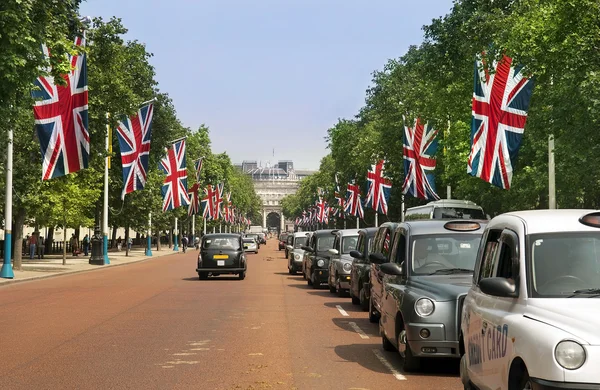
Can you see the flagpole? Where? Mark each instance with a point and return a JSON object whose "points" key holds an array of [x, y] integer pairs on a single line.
{"points": [[204, 229], [176, 241], [376, 218], [105, 208], [7, 271], [193, 225], [149, 238], [357, 222], [402, 209], [551, 174]]}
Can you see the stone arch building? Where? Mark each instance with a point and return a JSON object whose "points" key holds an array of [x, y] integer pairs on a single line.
{"points": [[272, 182]]}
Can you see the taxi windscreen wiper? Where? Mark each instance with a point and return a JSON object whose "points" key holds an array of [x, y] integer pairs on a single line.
{"points": [[586, 291], [448, 271]]}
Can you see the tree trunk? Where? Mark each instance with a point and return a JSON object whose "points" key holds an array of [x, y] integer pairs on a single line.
{"points": [[127, 240], [49, 240], [158, 240], [18, 238], [114, 237]]}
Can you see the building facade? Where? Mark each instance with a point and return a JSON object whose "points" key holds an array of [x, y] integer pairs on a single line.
{"points": [[271, 183]]}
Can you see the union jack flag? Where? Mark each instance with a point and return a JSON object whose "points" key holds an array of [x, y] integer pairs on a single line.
{"points": [[61, 118], [198, 166], [218, 212], [208, 203], [134, 135], [227, 209], [174, 188], [194, 206], [379, 188], [321, 205], [420, 144], [341, 200], [354, 205], [500, 105]]}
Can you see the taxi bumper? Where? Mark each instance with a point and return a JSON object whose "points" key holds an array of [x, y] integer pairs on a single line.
{"points": [[221, 270], [433, 346], [320, 275], [344, 282], [542, 384]]}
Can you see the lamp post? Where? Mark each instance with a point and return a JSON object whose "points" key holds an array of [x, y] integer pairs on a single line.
{"points": [[149, 238], [7, 271], [176, 241]]}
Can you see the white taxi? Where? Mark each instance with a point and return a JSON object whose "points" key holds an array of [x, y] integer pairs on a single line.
{"points": [[531, 319]]}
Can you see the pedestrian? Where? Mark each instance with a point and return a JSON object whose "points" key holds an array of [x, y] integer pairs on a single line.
{"points": [[74, 245], [40, 246], [129, 243], [119, 243], [86, 245], [32, 244], [27, 243], [184, 243]]}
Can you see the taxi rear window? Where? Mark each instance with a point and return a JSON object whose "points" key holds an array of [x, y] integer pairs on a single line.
{"points": [[229, 243]]}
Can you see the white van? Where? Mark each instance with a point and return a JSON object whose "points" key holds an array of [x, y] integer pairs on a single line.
{"points": [[446, 209]]}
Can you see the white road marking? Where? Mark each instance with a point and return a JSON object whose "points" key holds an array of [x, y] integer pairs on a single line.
{"points": [[255, 354], [358, 330], [342, 311], [184, 354], [388, 365], [199, 349], [183, 362]]}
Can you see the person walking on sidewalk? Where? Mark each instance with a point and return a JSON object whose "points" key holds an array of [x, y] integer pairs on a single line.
{"points": [[129, 243], [32, 243], [184, 243], [119, 244], [74, 245], [86, 245]]}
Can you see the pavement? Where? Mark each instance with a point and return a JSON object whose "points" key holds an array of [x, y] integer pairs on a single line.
{"points": [[52, 265], [153, 325]]}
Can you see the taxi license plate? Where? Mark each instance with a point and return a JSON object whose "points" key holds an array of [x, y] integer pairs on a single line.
{"points": [[220, 262], [220, 257]]}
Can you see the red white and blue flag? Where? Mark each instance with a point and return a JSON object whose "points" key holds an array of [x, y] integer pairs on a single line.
{"points": [[420, 144], [61, 118], [354, 205], [134, 134], [379, 188], [321, 206], [500, 105], [194, 206], [341, 200], [208, 203], [218, 212], [198, 166], [227, 209], [174, 188]]}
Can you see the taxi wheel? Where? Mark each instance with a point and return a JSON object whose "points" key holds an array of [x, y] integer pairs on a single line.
{"points": [[355, 300], [332, 289], [202, 275], [362, 296], [242, 275], [387, 344], [373, 313], [410, 362], [523, 382], [315, 281]]}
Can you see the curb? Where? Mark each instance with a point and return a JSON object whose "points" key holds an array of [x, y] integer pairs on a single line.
{"points": [[65, 273]]}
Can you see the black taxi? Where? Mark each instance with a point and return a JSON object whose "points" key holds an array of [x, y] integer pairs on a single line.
{"points": [[221, 253]]}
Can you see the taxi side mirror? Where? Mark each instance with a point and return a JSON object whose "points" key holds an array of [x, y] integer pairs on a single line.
{"points": [[391, 269], [356, 254], [333, 251], [499, 287], [377, 258], [307, 248], [289, 247]]}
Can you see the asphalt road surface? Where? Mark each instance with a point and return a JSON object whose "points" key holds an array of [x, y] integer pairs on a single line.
{"points": [[154, 325]]}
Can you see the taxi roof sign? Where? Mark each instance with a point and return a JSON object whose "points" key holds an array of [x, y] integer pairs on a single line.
{"points": [[462, 226], [591, 219]]}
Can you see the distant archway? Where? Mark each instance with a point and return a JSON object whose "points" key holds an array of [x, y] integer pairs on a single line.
{"points": [[274, 220]]}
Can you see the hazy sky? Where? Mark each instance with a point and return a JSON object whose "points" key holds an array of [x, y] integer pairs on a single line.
{"points": [[270, 74]]}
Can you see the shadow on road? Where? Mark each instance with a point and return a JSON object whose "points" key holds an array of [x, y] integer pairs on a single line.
{"points": [[371, 330], [212, 278], [346, 305]]}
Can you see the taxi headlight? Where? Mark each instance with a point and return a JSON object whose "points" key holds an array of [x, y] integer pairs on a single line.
{"points": [[569, 354], [296, 256], [320, 263], [424, 307], [347, 267]]}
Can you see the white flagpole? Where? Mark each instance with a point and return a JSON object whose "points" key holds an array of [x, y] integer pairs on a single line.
{"points": [[204, 229], [193, 226], [7, 271], [376, 219], [149, 238], [551, 174], [402, 209], [105, 231], [357, 222], [176, 241]]}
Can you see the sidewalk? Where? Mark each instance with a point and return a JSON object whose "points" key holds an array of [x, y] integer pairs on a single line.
{"points": [[51, 265]]}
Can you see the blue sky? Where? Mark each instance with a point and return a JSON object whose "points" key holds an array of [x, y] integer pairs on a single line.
{"points": [[270, 74]]}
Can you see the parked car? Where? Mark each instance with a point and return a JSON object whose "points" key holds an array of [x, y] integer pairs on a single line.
{"points": [[425, 282], [250, 245], [360, 272], [446, 209], [340, 262], [254, 236], [316, 257], [221, 253], [531, 316], [283, 240], [379, 255], [262, 238], [289, 241], [296, 253]]}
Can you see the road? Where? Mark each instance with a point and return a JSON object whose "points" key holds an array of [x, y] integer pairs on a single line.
{"points": [[154, 325]]}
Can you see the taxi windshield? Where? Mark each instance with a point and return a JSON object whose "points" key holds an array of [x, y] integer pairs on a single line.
{"points": [[565, 265], [349, 244], [437, 255], [229, 243], [325, 243], [299, 241], [458, 212]]}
